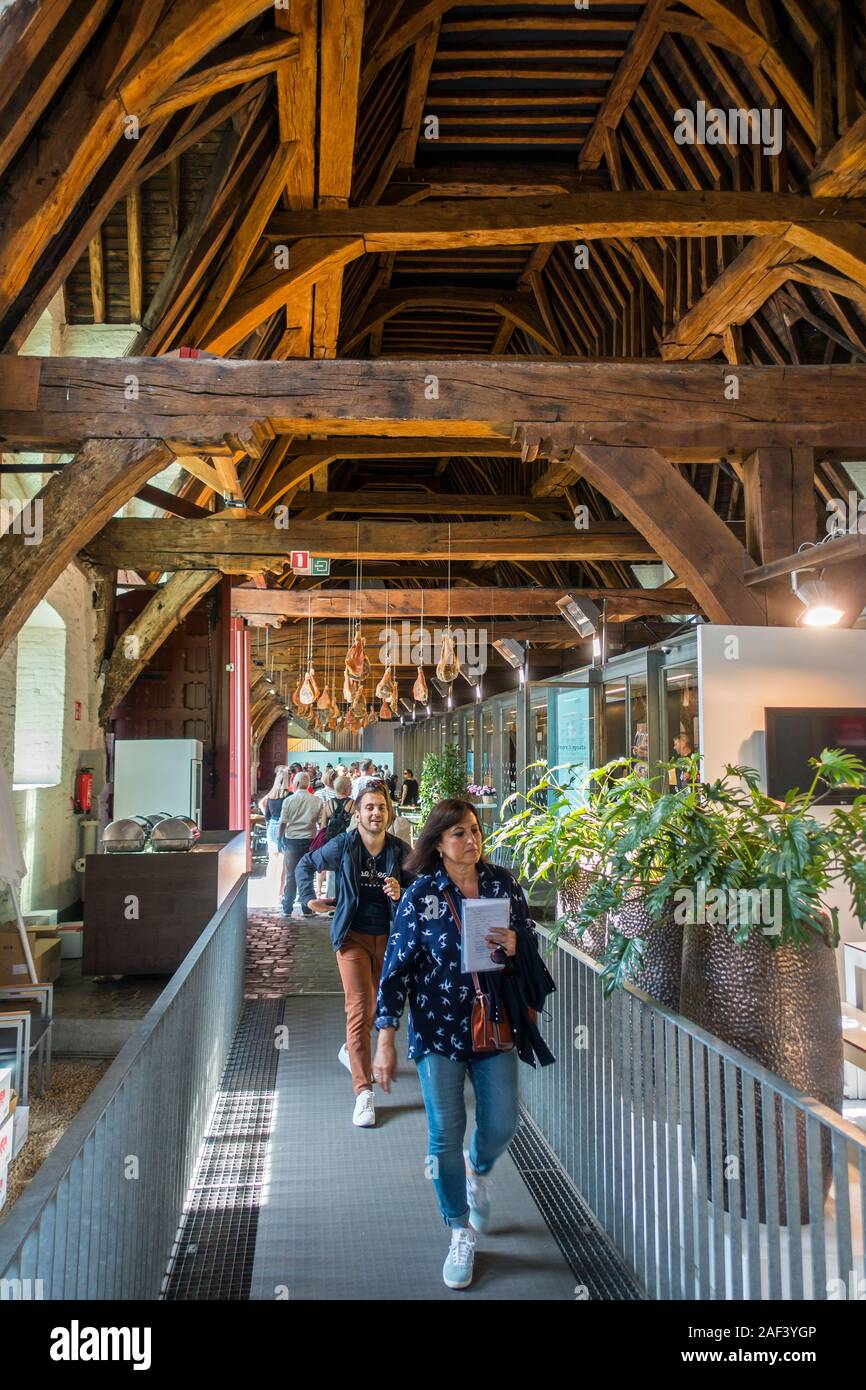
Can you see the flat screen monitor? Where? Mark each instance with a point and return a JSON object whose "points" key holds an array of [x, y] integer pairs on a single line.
{"points": [[796, 735]]}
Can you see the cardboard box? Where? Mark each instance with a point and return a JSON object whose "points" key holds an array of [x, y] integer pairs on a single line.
{"points": [[46, 958], [6, 1092]]}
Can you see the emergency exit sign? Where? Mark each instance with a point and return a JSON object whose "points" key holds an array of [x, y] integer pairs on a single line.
{"points": [[305, 563]]}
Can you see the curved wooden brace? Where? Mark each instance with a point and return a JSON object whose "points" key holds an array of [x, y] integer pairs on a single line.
{"points": [[147, 632], [69, 511], [682, 528]]}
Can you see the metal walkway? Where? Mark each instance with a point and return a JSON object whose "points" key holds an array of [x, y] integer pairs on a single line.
{"points": [[290, 1201]]}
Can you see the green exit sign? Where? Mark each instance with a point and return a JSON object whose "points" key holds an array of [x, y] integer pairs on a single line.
{"points": [[321, 564]]}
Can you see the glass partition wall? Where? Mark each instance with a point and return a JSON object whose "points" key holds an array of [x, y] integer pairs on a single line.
{"points": [[634, 706]]}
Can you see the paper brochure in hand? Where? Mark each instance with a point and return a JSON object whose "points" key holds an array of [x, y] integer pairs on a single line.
{"points": [[480, 916]]}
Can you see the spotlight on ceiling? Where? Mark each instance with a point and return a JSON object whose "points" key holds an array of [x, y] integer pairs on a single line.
{"points": [[442, 687], [581, 614], [818, 599], [513, 652], [464, 671], [409, 708]]}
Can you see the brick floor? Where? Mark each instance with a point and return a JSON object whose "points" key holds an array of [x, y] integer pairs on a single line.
{"points": [[288, 955]]}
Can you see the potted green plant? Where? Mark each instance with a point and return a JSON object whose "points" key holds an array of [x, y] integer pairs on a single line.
{"points": [[567, 833], [442, 775], [747, 879]]}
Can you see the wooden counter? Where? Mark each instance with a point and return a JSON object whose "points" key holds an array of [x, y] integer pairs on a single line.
{"points": [[143, 912]]}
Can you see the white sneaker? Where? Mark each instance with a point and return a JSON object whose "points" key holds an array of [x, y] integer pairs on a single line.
{"points": [[457, 1269], [365, 1113], [343, 1056]]}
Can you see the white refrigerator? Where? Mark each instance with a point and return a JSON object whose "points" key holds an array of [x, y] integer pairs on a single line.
{"points": [[157, 774]]}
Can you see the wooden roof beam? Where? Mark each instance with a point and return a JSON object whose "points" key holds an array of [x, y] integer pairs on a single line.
{"points": [[438, 603], [55, 403], [629, 74], [245, 61], [244, 545], [502, 222]]}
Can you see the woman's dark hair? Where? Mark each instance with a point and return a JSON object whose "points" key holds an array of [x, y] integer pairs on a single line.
{"points": [[425, 857]]}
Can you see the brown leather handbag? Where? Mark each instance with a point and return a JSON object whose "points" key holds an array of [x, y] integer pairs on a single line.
{"points": [[488, 1035]]}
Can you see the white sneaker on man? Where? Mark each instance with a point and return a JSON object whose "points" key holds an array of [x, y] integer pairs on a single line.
{"points": [[457, 1269], [343, 1056], [365, 1112]]}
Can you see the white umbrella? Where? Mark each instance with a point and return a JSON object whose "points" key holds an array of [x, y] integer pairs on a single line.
{"points": [[12, 865]]}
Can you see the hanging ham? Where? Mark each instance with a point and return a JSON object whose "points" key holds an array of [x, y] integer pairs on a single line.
{"points": [[296, 695], [356, 659], [309, 692], [419, 689], [325, 700], [385, 688], [359, 703], [385, 711], [349, 688], [448, 667]]}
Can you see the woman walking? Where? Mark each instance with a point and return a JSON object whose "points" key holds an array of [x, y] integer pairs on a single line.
{"points": [[301, 816], [460, 1025], [270, 807], [369, 865]]}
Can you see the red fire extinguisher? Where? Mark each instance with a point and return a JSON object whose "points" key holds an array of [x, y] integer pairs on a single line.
{"points": [[82, 800]]}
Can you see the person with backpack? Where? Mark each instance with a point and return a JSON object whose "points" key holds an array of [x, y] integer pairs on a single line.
{"points": [[368, 863]]}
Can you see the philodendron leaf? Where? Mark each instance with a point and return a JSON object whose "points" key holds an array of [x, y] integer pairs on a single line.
{"points": [[839, 768], [621, 961]]}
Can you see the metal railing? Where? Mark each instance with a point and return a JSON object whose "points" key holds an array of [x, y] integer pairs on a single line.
{"points": [[714, 1178], [99, 1219]]}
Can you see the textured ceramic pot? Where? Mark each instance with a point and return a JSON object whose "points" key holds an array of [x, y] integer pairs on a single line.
{"points": [[659, 976], [780, 1007]]}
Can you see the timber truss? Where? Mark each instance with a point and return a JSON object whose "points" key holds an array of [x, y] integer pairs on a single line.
{"points": [[562, 335]]}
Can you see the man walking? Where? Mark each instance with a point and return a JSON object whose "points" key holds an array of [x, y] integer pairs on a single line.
{"points": [[368, 866]]}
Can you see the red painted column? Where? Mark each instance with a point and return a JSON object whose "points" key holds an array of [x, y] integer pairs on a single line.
{"points": [[239, 748]]}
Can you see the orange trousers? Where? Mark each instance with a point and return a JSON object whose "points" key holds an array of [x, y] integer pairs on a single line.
{"points": [[360, 961]]}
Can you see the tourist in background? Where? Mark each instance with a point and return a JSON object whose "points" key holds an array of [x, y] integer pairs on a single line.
{"points": [[301, 816], [409, 790], [270, 806]]}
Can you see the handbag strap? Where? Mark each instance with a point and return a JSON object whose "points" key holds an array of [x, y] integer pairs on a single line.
{"points": [[479, 992]]}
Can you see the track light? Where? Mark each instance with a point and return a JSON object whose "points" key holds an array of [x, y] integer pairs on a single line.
{"points": [[818, 598], [581, 614], [410, 709], [442, 687], [513, 652]]}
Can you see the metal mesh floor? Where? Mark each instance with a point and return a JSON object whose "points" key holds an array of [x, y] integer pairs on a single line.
{"points": [[213, 1257], [290, 1201], [596, 1264]]}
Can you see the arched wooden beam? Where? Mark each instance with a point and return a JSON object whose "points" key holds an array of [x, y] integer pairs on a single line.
{"points": [[682, 528], [69, 511], [519, 309], [147, 632]]}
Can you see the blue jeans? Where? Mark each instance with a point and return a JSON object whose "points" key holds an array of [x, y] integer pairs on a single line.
{"points": [[494, 1081], [294, 853]]}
